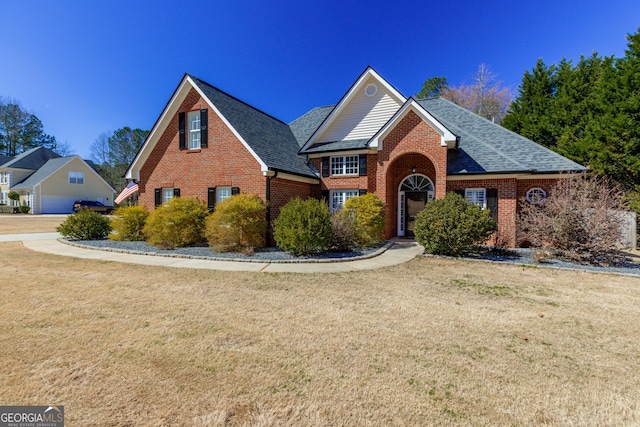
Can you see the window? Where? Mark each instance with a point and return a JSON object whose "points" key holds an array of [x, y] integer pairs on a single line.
{"points": [[5, 198], [76, 177], [339, 197], [344, 165], [4, 177], [477, 196], [536, 195], [167, 194], [194, 130], [222, 193]]}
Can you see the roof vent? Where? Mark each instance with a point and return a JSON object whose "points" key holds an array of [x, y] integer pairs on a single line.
{"points": [[371, 89]]}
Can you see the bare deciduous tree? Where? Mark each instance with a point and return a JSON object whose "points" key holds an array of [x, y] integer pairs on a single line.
{"points": [[485, 97]]}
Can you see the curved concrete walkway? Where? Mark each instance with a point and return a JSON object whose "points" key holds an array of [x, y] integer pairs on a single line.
{"points": [[401, 251]]}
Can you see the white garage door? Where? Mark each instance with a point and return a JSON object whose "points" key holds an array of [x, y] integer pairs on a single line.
{"points": [[51, 205]]}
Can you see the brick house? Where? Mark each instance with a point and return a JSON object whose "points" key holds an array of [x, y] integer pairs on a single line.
{"points": [[211, 145]]}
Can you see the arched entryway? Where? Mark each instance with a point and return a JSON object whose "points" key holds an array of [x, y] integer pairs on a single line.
{"points": [[414, 192]]}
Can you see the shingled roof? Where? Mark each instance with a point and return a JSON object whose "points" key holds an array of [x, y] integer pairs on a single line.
{"points": [[486, 147], [31, 159], [304, 126], [50, 166], [272, 140]]}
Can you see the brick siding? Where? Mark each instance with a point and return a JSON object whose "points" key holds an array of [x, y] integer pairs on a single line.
{"points": [[226, 162]]}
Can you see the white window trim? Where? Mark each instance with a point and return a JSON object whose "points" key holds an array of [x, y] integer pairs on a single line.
{"points": [[76, 178], [347, 162], [195, 140], [538, 190], [167, 194], [223, 193], [470, 195], [339, 197]]}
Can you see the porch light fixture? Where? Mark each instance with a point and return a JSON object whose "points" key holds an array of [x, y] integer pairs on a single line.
{"points": [[413, 169]]}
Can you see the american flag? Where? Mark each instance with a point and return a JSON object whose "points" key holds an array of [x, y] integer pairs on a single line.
{"points": [[130, 189]]}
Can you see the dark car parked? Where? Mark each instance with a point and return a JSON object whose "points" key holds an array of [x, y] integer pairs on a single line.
{"points": [[94, 206]]}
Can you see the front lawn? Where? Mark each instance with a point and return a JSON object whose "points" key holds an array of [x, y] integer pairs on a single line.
{"points": [[431, 342]]}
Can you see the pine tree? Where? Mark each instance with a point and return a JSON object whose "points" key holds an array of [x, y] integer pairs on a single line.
{"points": [[529, 114]]}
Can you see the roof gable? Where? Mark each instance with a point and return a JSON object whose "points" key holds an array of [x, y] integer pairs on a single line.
{"points": [[51, 167], [447, 138], [363, 110], [270, 141]]}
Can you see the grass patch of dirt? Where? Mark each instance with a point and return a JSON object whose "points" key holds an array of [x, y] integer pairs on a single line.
{"points": [[430, 342]]}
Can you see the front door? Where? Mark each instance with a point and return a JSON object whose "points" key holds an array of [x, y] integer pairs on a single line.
{"points": [[414, 203]]}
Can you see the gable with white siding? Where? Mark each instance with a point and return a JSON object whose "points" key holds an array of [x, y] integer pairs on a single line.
{"points": [[363, 116], [368, 106]]}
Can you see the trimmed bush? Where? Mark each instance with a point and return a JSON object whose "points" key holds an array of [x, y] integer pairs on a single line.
{"points": [[343, 234], [85, 225], [303, 227], [24, 209], [128, 222], [178, 223], [450, 226], [368, 215], [13, 195], [238, 224]]}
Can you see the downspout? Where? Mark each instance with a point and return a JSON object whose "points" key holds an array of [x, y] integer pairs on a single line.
{"points": [[270, 174]]}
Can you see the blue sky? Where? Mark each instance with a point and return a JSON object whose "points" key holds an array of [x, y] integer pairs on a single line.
{"points": [[87, 67]]}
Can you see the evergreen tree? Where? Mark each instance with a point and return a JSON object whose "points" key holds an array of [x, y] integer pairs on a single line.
{"points": [[589, 112], [432, 87], [529, 114], [21, 130]]}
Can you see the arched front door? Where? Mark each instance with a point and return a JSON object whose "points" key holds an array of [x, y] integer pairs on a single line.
{"points": [[414, 192]]}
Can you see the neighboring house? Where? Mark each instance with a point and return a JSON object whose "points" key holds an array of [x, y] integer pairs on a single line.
{"points": [[209, 144], [49, 183]]}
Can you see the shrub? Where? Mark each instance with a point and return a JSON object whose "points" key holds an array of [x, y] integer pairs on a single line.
{"points": [[24, 209], [450, 226], [128, 223], [343, 234], [178, 223], [13, 195], [580, 220], [85, 225], [238, 224], [368, 215], [303, 227]]}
